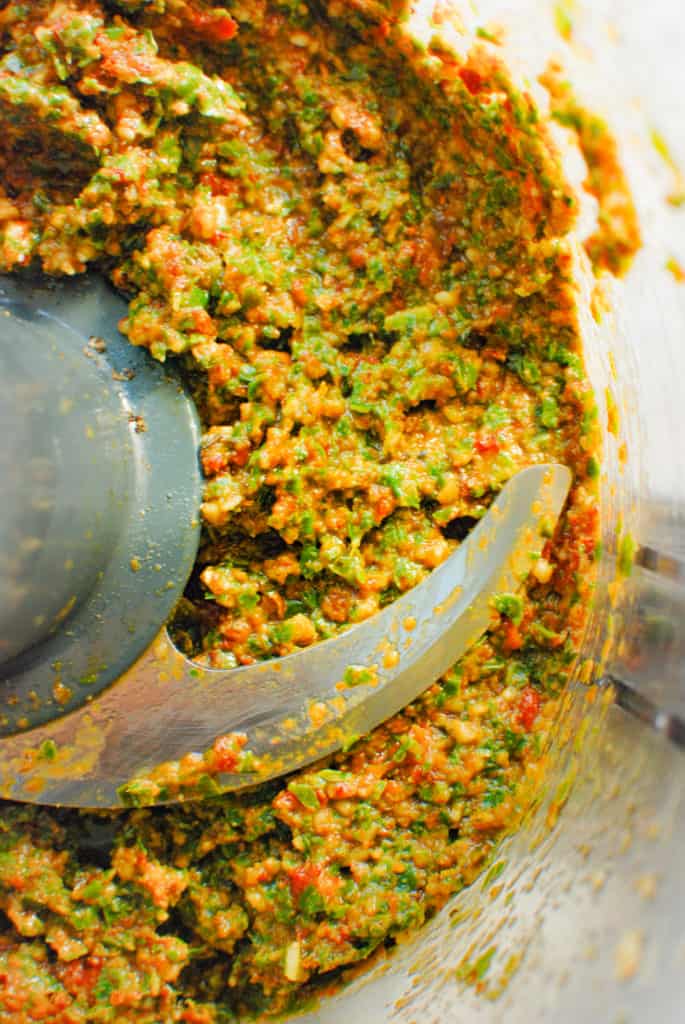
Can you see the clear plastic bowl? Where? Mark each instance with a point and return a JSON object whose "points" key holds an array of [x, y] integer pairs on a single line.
{"points": [[586, 920]]}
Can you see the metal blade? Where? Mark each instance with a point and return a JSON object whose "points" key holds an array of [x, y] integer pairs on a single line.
{"points": [[294, 710]]}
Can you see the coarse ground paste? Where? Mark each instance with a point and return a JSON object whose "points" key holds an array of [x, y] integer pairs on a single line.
{"points": [[358, 251]]}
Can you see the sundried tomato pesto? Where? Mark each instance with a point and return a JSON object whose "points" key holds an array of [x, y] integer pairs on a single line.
{"points": [[358, 251]]}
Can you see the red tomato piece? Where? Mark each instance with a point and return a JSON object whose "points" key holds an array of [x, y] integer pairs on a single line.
{"points": [[218, 184], [214, 462], [486, 444], [225, 753], [225, 28], [219, 30], [471, 79], [529, 706], [80, 975], [303, 876], [513, 640]]}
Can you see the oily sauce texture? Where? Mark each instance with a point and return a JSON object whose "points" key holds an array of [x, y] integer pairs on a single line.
{"points": [[359, 253]]}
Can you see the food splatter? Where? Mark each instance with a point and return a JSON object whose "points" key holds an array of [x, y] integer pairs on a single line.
{"points": [[617, 238]]}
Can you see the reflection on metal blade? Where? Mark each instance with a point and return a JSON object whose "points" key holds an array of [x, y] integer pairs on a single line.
{"points": [[291, 711]]}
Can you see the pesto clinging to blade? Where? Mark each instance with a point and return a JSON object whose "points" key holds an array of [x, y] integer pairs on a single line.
{"points": [[359, 253]]}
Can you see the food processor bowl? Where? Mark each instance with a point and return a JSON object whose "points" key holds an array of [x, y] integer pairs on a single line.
{"points": [[581, 916]]}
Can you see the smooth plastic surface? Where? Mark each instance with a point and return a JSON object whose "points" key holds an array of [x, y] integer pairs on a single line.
{"points": [[99, 523], [59, 523]]}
